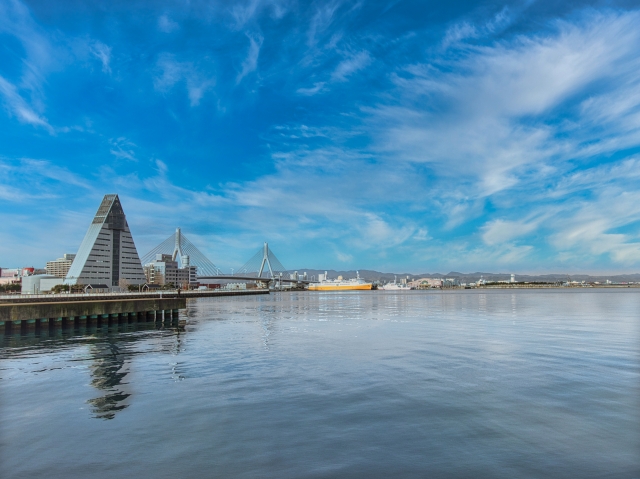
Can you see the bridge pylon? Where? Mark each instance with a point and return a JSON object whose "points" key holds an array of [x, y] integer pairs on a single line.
{"points": [[265, 261], [186, 253]]}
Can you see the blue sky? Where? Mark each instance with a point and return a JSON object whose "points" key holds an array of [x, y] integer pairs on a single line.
{"points": [[392, 135]]}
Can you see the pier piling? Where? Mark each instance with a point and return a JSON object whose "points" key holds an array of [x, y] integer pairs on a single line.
{"points": [[28, 317]]}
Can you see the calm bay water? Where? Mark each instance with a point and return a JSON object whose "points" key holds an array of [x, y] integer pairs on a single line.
{"points": [[366, 384]]}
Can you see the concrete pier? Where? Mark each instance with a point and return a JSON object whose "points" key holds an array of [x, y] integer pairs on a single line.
{"points": [[92, 297], [23, 317]]}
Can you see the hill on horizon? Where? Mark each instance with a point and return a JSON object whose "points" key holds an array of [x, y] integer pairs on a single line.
{"points": [[372, 275]]}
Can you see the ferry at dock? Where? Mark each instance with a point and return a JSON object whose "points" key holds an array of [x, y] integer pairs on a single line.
{"points": [[339, 284], [395, 286]]}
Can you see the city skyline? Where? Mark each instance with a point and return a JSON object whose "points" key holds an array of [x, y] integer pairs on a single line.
{"points": [[391, 136]]}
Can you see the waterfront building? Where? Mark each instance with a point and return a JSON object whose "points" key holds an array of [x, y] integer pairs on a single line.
{"points": [[107, 254], [9, 276], [164, 270], [15, 275], [60, 267], [39, 283], [425, 283]]}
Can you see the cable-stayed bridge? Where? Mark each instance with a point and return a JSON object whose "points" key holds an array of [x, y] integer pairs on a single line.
{"points": [[184, 252], [264, 266]]}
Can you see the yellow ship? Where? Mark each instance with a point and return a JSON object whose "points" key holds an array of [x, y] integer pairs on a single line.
{"points": [[339, 284]]}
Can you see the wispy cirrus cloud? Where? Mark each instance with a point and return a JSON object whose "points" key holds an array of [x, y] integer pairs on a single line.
{"points": [[103, 53], [465, 30], [17, 106], [488, 118], [170, 72], [351, 65], [244, 12], [486, 125], [321, 20], [122, 149], [44, 177], [250, 63], [23, 96]]}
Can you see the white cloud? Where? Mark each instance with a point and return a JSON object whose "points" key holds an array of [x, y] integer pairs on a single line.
{"points": [[170, 72], [166, 24], [45, 179], [376, 232], [464, 30], [122, 149], [501, 231], [39, 58], [43, 53], [321, 20], [103, 53], [459, 31], [18, 107], [486, 122], [162, 167], [46, 169], [625, 172], [351, 65], [421, 235], [344, 257], [591, 227], [316, 88], [250, 63], [244, 12]]}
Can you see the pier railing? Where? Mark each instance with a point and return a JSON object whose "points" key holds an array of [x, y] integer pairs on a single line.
{"points": [[59, 297]]}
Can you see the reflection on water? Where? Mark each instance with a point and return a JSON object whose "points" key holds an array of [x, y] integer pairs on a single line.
{"points": [[108, 372], [108, 350]]}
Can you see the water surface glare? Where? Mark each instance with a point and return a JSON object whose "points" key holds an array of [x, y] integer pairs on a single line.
{"points": [[501, 384]]}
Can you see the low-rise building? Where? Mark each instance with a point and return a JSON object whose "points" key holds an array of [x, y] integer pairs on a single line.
{"points": [[39, 283], [9, 276], [425, 283], [164, 270]]}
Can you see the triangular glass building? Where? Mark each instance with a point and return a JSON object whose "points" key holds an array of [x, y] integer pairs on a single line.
{"points": [[107, 254]]}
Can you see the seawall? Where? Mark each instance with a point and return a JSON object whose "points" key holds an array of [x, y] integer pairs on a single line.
{"points": [[31, 316]]}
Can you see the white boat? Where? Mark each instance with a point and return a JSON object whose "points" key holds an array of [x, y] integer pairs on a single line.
{"points": [[395, 286]]}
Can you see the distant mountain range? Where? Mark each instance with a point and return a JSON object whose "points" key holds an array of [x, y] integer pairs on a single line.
{"points": [[370, 275]]}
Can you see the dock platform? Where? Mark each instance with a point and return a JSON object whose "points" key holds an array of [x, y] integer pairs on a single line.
{"points": [[15, 317]]}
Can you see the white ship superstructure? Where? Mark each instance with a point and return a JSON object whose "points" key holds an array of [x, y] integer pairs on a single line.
{"points": [[395, 286], [339, 284]]}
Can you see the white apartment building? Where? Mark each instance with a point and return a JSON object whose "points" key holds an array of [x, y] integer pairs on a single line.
{"points": [[60, 267]]}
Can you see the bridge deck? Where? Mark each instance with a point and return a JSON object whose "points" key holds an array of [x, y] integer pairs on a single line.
{"points": [[253, 278]]}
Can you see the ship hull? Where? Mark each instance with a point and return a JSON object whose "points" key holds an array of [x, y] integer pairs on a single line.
{"points": [[339, 287]]}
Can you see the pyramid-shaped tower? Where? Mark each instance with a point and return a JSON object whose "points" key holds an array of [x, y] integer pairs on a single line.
{"points": [[107, 253]]}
